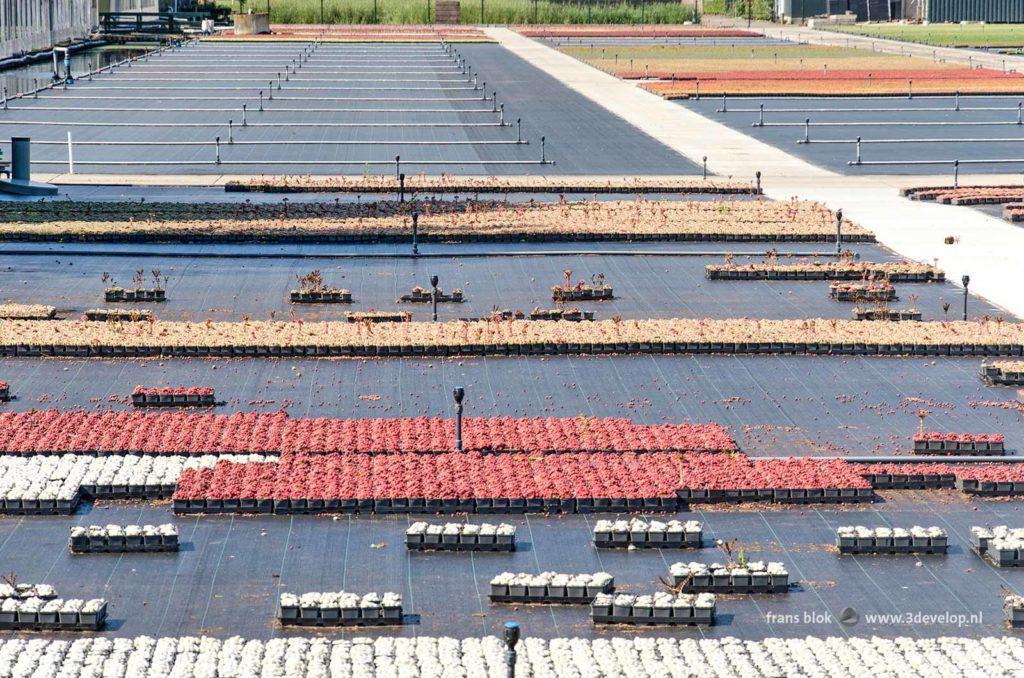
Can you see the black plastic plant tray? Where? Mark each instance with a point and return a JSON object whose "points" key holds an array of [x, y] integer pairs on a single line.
{"points": [[997, 377], [39, 507], [652, 620], [324, 297], [646, 544], [712, 585], [162, 547], [542, 600], [174, 400], [422, 546], [78, 621], [820, 274], [121, 316], [5, 394], [337, 617], [887, 314], [1015, 617], [988, 488], [893, 550], [782, 496], [931, 481], [135, 295], [562, 296]]}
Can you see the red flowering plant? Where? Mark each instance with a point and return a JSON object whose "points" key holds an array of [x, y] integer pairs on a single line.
{"points": [[252, 432]]}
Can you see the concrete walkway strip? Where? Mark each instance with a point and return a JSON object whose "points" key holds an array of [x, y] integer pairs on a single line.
{"points": [[988, 249]]}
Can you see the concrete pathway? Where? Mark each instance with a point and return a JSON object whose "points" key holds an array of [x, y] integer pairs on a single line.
{"points": [[989, 249]]}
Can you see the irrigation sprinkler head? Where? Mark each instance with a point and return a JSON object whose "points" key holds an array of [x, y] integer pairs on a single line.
{"points": [[433, 281], [458, 393], [966, 280]]}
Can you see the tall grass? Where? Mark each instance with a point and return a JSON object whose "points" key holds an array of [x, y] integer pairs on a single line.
{"points": [[761, 10], [495, 11]]}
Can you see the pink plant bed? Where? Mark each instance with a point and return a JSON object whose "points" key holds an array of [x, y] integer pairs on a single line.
{"points": [[253, 432]]}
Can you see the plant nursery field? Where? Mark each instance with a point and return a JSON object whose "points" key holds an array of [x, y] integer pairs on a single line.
{"points": [[788, 69], [342, 347]]}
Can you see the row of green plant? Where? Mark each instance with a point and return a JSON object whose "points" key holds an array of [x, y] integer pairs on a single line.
{"points": [[494, 11]]}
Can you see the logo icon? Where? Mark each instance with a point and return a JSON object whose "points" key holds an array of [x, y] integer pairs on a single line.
{"points": [[849, 617]]}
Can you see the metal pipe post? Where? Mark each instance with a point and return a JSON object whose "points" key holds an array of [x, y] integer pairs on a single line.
{"points": [[415, 234], [966, 280], [433, 298], [839, 232], [458, 393]]}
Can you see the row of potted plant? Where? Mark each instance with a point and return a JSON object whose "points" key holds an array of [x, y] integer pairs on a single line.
{"points": [[659, 608], [30, 614], [748, 577], [640, 533], [340, 608], [991, 479], [845, 269], [43, 591], [173, 396], [389, 183], [470, 221], [1004, 372], [893, 314], [934, 441], [862, 291], [26, 312], [422, 536], [1013, 607], [471, 482], [378, 316], [123, 538], [53, 431], [54, 484], [966, 195], [917, 539], [612, 655], [1001, 545], [118, 315], [549, 587], [422, 295], [513, 337]]}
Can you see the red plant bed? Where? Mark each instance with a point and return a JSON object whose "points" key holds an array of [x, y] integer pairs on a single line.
{"points": [[590, 31], [53, 431], [513, 476], [441, 476]]}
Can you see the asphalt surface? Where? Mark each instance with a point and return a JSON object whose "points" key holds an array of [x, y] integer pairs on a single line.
{"points": [[226, 579], [348, 109], [940, 132]]}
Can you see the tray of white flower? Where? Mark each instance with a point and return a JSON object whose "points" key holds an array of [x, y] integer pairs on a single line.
{"points": [[123, 538], [340, 608], [37, 614], [891, 540], [423, 536], [751, 577], [639, 533], [549, 588], [659, 608]]}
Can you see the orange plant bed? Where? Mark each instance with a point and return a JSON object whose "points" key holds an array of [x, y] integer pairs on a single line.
{"points": [[685, 89], [900, 75], [664, 31]]}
